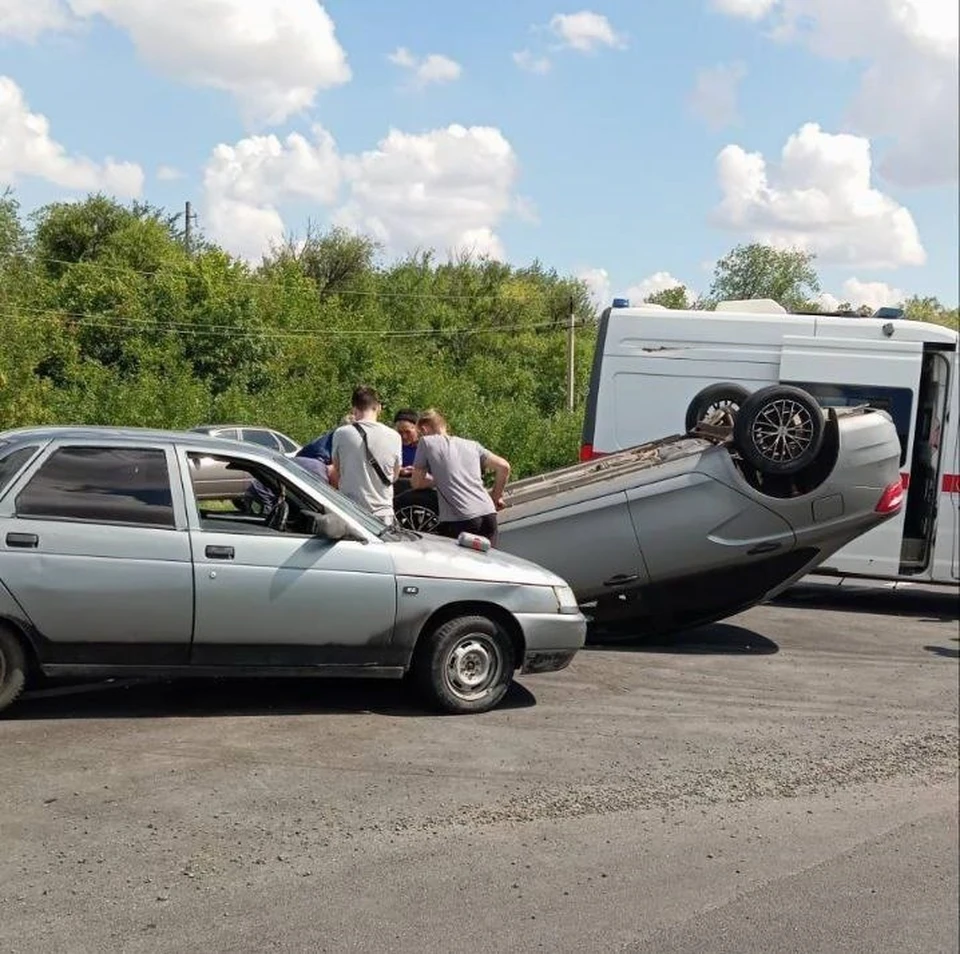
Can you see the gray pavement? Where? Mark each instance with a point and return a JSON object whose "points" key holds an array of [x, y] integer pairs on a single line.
{"points": [[785, 781]]}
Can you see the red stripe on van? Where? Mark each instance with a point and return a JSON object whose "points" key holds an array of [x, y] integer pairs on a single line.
{"points": [[951, 483]]}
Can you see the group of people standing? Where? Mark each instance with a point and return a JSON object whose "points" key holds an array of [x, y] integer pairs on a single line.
{"points": [[365, 458]]}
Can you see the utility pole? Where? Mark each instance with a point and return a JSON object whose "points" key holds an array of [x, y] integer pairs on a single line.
{"points": [[570, 354], [189, 217]]}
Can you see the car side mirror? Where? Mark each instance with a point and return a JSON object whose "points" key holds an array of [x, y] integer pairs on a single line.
{"points": [[331, 527]]}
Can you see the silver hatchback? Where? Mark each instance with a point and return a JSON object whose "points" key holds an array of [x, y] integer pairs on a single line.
{"points": [[112, 564]]}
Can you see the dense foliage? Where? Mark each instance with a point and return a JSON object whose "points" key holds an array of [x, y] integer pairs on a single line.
{"points": [[109, 319]]}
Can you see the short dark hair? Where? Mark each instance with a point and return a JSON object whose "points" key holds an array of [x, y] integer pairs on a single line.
{"points": [[365, 398], [407, 414]]}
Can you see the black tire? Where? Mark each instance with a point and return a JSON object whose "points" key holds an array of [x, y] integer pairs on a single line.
{"points": [[779, 430], [417, 510], [465, 665], [716, 401], [13, 668]]}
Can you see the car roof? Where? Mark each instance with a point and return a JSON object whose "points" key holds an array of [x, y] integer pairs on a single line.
{"points": [[132, 435]]}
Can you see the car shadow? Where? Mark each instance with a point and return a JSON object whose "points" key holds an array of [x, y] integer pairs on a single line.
{"points": [[713, 639], [199, 698], [945, 652], [926, 605]]}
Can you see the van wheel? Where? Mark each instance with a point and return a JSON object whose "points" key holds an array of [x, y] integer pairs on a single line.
{"points": [[13, 668], [717, 404], [779, 430], [465, 665]]}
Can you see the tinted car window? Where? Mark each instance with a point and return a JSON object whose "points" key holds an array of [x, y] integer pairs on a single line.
{"points": [[106, 484], [12, 464], [286, 445], [897, 402], [227, 433], [263, 438]]}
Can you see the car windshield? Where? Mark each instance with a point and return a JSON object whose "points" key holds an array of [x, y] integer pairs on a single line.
{"points": [[366, 519]]}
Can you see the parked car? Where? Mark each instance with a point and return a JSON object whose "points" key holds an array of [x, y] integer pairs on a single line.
{"points": [[112, 564], [213, 480], [695, 527]]}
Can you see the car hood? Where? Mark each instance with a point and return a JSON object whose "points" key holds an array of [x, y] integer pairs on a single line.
{"points": [[440, 558]]}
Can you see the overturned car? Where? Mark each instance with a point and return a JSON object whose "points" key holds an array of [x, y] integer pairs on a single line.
{"points": [[692, 528]]}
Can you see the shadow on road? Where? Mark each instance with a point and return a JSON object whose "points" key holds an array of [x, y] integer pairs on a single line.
{"points": [[947, 652], [926, 605], [715, 639], [192, 698]]}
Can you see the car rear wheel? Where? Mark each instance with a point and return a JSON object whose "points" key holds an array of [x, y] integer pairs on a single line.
{"points": [[465, 665], [779, 430], [717, 404], [13, 668]]}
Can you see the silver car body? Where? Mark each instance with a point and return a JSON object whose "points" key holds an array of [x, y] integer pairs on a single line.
{"points": [[671, 532], [174, 592]]}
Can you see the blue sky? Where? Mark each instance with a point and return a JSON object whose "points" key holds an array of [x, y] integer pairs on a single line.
{"points": [[603, 164]]}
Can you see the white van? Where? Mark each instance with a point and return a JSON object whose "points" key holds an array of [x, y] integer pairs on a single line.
{"points": [[650, 362]]}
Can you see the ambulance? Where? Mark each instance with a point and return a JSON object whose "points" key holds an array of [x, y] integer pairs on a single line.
{"points": [[651, 362]]}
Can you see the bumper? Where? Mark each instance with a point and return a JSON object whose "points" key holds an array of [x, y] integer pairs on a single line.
{"points": [[551, 639]]}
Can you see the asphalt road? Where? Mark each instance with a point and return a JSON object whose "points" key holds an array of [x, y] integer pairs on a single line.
{"points": [[785, 782]]}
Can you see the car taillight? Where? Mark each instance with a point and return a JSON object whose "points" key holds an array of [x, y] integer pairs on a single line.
{"points": [[891, 500], [586, 453]]}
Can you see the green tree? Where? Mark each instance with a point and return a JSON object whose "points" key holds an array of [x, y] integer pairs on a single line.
{"points": [[760, 271], [930, 309], [675, 297]]}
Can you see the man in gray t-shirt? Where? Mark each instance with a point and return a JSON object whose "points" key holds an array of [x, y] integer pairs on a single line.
{"points": [[454, 467], [351, 470]]}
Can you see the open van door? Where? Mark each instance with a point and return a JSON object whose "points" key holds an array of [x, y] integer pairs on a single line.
{"points": [[843, 372]]}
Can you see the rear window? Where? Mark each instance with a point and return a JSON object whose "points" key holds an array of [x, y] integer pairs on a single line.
{"points": [[12, 464], [103, 484]]}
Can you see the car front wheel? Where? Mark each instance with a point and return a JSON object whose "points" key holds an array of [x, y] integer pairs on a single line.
{"points": [[465, 665]]}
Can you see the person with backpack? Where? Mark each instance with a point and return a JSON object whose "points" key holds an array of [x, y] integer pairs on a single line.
{"points": [[366, 456]]}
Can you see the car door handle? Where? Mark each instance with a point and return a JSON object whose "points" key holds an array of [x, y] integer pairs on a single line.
{"points": [[767, 547], [26, 541], [219, 553], [621, 578]]}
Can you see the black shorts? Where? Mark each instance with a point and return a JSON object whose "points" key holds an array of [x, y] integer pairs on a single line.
{"points": [[485, 526]]}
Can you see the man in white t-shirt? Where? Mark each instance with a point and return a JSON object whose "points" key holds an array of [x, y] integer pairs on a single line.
{"points": [[366, 457]]}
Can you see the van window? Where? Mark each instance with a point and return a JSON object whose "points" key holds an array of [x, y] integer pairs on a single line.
{"points": [[102, 484], [897, 402]]}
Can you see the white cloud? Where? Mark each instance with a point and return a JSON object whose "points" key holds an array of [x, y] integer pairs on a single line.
{"points": [[27, 149], [585, 31], [715, 94], [909, 87], [433, 68], [657, 282], [856, 293], [245, 183], [819, 198], [748, 9], [168, 174], [446, 189], [597, 281], [27, 19], [271, 55], [600, 286], [532, 63]]}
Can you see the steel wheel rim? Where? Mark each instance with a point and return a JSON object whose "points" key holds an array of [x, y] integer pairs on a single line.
{"points": [[783, 430], [472, 666], [417, 517]]}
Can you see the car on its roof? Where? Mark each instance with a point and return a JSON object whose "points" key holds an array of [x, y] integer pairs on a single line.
{"points": [[111, 564]]}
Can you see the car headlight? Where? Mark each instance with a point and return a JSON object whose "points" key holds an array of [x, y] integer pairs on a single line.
{"points": [[566, 600]]}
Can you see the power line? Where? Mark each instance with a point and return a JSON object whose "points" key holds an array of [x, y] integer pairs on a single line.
{"points": [[142, 325]]}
